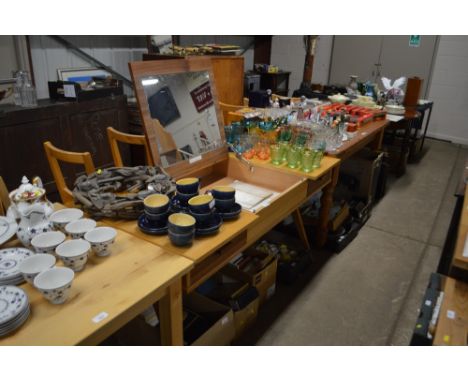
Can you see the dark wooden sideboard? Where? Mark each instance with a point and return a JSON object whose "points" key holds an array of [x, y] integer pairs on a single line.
{"points": [[74, 126]]}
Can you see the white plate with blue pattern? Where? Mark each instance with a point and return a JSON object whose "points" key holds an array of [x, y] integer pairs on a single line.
{"points": [[10, 259], [16, 323], [13, 302]]}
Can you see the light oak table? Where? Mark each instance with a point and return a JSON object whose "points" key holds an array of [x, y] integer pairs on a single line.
{"points": [[208, 253], [459, 262], [107, 294], [323, 178], [211, 253], [452, 325], [370, 135]]}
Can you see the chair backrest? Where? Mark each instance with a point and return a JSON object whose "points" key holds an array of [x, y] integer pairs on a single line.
{"points": [[293, 99], [116, 136], [54, 155], [4, 197], [227, 109], [166, 143]]}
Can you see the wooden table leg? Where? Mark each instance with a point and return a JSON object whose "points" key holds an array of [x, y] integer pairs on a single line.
{"points": [[300, 228], [170, 315], [377, 142], [401, 166], [325, 205]]}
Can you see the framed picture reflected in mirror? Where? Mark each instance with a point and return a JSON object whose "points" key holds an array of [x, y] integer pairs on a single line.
{"points": [[163, 106]]}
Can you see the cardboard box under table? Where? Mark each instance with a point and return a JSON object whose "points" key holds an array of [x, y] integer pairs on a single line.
{"points": [[235, 293], [292, 258], [365, 168], [205, 322], [257, 268]]}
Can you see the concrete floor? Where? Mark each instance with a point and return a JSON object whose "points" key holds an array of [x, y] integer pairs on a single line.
{"points": [[370, 293]]}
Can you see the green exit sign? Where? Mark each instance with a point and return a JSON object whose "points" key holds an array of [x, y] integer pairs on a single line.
{"points": [[415, 41]]}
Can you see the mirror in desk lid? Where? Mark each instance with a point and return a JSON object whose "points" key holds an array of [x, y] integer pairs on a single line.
{"points": [[30, 206], [180, 112]]}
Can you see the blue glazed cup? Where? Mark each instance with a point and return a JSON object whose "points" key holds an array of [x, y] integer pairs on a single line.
{"points": [[181, 240], [188, 185], [224, 205], [184, 198], [156, 204], [202, 218], [180, 223], [157, 218], [201, 204], [223, 192]]}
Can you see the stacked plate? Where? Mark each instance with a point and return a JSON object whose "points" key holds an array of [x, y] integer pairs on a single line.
{"points": [[10, 259], [8, 228], [14, 309]]}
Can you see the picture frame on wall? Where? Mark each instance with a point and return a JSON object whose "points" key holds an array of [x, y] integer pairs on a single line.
{"points": [[81, 74]]}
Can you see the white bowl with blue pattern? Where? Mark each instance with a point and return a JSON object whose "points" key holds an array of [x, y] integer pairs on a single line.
{"points": [[48, 241], [74, 253], [36, 264], [101, 239], [64, 216], [78, 228], [55, 284]]}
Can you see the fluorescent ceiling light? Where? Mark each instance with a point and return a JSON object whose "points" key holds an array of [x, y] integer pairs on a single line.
{"points": [[149, 81]]}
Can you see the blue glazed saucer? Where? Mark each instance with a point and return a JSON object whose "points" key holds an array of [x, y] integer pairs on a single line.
{"points": [[209, 227], [232, 213], [151, 228], [177, 205]]}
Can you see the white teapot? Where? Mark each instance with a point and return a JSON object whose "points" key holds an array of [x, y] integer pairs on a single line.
{"points": [[30, 205]]}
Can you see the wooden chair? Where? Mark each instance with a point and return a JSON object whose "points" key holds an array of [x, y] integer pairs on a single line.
{"points": [[4, 198], [293, 99], [166, 146], [54, 155], [228, 111], [116, 136]]}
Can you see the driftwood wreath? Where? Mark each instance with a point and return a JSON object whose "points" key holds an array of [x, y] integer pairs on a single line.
{"points": [[118, 192]]}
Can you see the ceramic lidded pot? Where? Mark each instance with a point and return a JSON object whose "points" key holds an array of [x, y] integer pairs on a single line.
{"points": [[30, 206], [26, 195], [353, 84], [33, 223]]}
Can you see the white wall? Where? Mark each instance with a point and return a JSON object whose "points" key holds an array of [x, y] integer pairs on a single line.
{"points": [[114, 51], [8, 56], [288, 52], [322, 60], [449, 90], [8, 63]]}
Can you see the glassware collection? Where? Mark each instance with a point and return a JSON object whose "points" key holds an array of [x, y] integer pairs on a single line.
{"points": [[298, 135], [282, 138]]}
